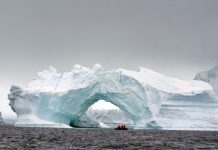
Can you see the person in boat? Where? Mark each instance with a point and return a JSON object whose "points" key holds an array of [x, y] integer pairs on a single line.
{"points": [[121, 127]]}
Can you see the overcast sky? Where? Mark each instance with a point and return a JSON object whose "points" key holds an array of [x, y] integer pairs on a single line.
{"points": [[175, 37]]}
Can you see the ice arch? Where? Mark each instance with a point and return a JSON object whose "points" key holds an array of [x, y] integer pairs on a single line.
{"points": [[137, 112], [64, 97], [70, 106]]}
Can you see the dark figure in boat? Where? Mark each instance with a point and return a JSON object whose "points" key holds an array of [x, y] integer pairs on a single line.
{"points": [[121, 127]]}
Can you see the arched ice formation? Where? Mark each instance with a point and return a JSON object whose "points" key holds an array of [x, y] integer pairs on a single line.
{"points": [[64, 97]]}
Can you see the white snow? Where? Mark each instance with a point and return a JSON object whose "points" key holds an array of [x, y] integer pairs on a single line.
{"points": [[167, 84]]}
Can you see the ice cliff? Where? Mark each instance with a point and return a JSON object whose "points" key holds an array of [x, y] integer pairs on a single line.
{"points": [[210, 76], [54, 98]]}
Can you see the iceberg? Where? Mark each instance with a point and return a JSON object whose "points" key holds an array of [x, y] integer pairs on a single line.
{"points": [[210, 76], [144, 96]]}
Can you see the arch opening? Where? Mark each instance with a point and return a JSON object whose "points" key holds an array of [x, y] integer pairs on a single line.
{"points": [[102, 114]]}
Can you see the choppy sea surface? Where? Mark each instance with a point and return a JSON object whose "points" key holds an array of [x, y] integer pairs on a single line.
{"points": [[66, 138]]}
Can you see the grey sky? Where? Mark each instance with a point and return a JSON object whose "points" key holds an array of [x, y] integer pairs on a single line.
{"points": [[174, 37]]}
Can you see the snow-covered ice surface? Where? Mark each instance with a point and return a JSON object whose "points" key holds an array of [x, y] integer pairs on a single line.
{"points": [[149, 99]]}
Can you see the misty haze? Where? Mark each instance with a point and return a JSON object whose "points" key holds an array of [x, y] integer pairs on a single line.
{"points": [[73, 72]]}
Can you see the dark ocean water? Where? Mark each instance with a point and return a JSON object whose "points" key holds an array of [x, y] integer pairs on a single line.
{"points": [[60, 138]]}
